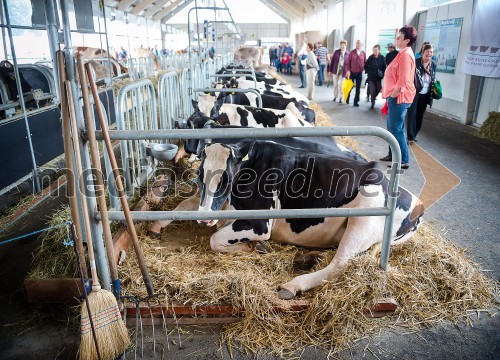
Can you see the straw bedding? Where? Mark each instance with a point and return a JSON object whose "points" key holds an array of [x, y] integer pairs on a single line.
{"points": [[430, 278]]}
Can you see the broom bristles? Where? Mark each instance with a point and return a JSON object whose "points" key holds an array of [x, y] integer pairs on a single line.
{"points": [[111, 332]]}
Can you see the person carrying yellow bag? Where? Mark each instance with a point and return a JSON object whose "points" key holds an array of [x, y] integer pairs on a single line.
{"points": [[347, 86]]}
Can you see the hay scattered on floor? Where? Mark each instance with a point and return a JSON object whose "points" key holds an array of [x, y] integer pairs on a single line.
{"points": [[430, 278], [491, 127], [52, 259]]}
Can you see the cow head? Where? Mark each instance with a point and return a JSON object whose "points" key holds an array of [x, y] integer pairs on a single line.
{"points": [[218, 163], [205, 103], [196, 121]]}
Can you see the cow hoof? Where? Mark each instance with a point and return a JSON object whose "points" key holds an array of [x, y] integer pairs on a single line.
{"points": [[306, 261], [285, 294], [262, 248], [154, 234]]}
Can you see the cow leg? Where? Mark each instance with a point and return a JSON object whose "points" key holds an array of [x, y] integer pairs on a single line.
{"points": [[358, 237], [360, 234], [190, 204], [228, 240]]}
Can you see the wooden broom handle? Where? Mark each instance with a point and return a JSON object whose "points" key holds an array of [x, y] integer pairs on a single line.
{"points": [[119, 186], [96, 164], [96, 286], [68, 156]]}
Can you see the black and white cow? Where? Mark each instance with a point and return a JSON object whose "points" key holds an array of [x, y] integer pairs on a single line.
{"points": [[263, 174], [285, 91], [207, 102], [324, 145]]}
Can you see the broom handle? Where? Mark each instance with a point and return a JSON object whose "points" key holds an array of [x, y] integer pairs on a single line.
{"points": [[68, 155], [96, 164], [96, 286], [119, 185]]}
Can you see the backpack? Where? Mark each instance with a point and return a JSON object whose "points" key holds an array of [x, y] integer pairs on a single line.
{"points": [[419, 83]]}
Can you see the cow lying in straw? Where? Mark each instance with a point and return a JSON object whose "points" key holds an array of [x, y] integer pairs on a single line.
{"points": [[297, 174]]}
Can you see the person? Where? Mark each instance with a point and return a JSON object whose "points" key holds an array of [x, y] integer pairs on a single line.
{"points": [[399, 90], [375, 68], [289, 50], [122, 55], [354, 69], [155, 51], [427, 69], [337, 69], [284, 62], [312, 68], [271, 56], [302, 59], [321, 53], [391, 54]]}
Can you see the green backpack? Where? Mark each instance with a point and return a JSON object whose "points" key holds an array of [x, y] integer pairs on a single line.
{"points": [[437, 90]]}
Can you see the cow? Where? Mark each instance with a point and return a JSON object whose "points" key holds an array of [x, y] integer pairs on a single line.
{"points": [[147, 53], [285, 91], [250, 53], [90, 53], [324, 145], [206, 103], [264, 174]]}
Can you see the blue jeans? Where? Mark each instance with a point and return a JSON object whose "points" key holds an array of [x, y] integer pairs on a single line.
{"points": [[396, 125], [302, 73], [321, 74]]}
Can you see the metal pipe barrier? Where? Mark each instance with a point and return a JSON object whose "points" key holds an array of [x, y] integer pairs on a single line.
{"points": [[197, 77], [226, 90], [136, 110], [254, 133], [169, 99], [133, 69], [146, 68], [185, 90]]}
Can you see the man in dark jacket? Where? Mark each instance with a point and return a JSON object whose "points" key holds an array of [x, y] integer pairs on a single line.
{"points": [[354, 69], [391, 54], [375, 69]]}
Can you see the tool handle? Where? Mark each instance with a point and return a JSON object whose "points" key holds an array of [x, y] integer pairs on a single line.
{"points": [[96, 164], [119, 184], [96, 286], [68, 156]]}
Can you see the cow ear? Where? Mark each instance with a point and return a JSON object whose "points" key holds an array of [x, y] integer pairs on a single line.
{"points": [[195, 105]]}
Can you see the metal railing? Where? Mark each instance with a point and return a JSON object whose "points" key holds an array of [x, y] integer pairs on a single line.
{"points": [[254, 133], [136, 110], [169, 99]]}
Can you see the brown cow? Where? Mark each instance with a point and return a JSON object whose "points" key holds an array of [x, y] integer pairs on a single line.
{"points": [[145, 52], [90, 53], [249, 53]]}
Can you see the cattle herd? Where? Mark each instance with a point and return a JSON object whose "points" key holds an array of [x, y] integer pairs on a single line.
{"points": [[286, 173]]}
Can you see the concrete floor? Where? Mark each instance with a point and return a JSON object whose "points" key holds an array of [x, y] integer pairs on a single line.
{"points": [[468, 215]]}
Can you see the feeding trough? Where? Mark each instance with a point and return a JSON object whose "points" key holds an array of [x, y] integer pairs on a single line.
{"points": [[162, 152]]}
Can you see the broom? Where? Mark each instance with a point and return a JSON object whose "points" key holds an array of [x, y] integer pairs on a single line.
{"points": [[110, 331]]}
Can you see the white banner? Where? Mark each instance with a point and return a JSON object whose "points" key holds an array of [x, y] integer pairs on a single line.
{"points": [[482, 57]]}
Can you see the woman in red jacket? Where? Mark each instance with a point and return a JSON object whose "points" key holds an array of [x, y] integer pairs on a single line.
{"points": [[399, 90]]}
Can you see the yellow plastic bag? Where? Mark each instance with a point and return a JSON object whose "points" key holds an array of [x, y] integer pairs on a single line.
{"points": [[347, 86]]}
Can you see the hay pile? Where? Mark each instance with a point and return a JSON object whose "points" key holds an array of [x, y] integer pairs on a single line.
{"points": [[491, 127], [430, 278], [52, 259]]}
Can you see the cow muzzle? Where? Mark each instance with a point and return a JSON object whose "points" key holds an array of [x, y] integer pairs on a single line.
{"points": [[208, 222]]}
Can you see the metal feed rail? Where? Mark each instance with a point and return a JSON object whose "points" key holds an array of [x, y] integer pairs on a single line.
{"points": [[255, 133]]}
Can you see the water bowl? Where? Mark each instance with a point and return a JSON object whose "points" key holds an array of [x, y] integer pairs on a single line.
{"points": [[163, 152]]}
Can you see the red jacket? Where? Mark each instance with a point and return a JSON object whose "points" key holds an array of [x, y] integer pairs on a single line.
{"points": [[285, 59], [355, 63]]}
